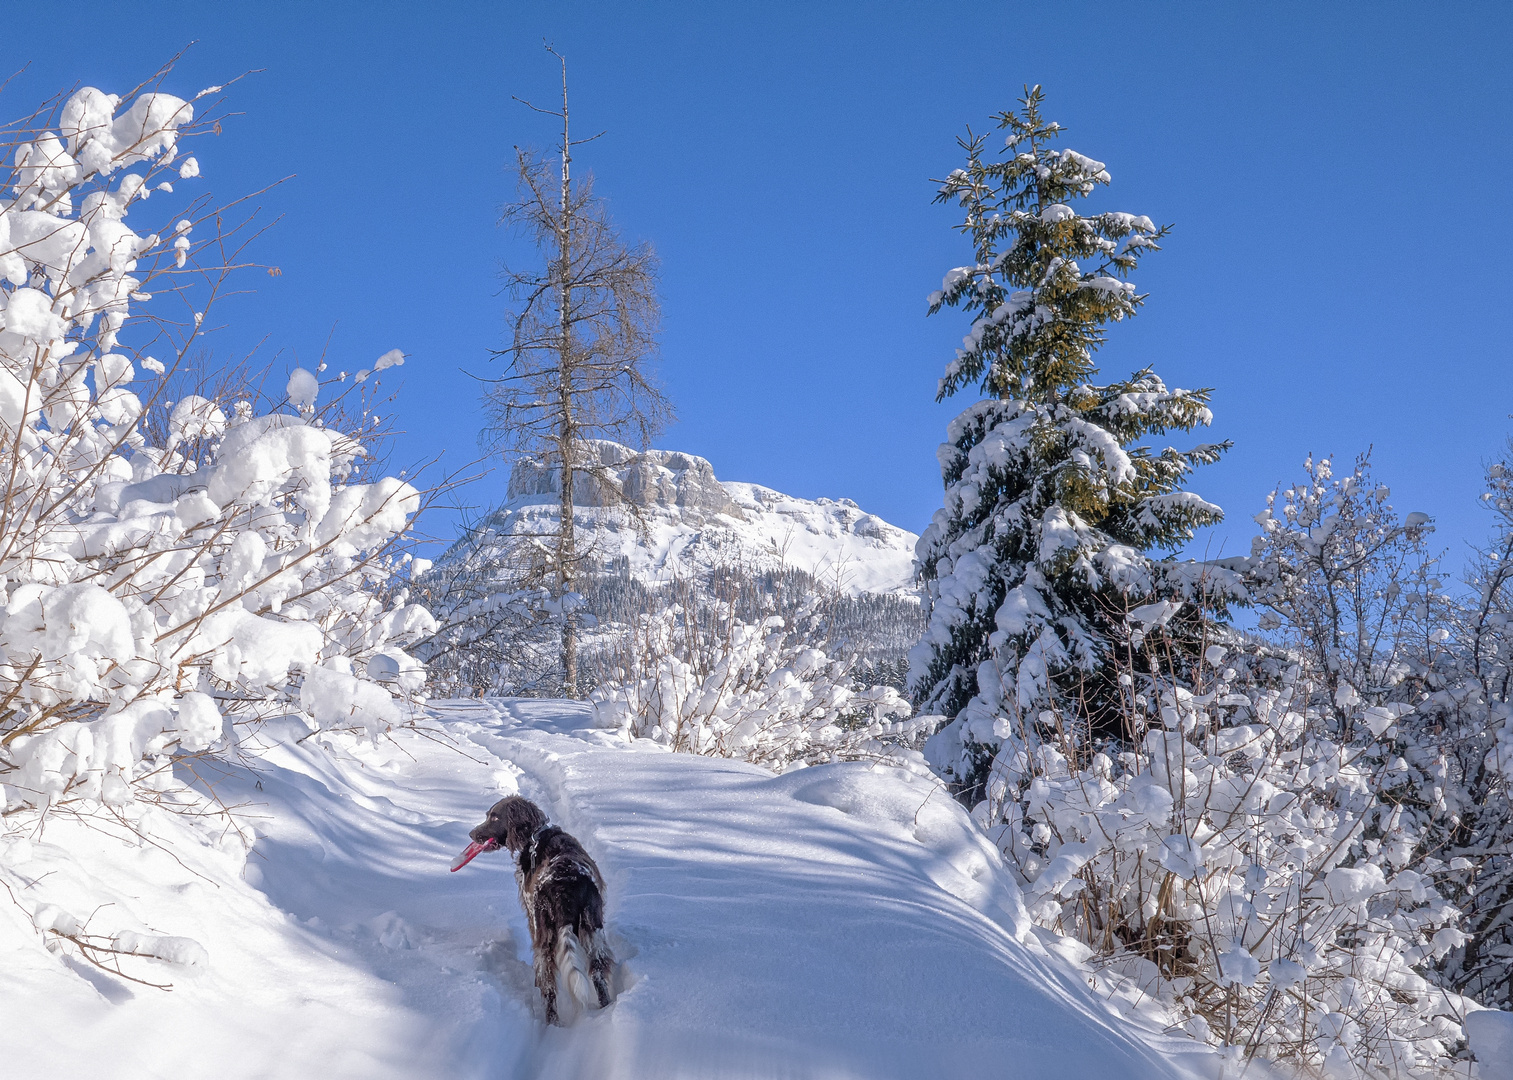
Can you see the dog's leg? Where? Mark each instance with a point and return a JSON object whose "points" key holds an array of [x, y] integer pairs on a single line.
{"points": [[545, 941], [600, 963]]}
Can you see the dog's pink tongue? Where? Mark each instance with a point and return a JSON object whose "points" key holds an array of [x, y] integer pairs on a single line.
{"points": [[472, 851]]}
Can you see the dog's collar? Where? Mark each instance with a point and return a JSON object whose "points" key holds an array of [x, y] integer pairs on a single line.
{"points": [[536, 838]]}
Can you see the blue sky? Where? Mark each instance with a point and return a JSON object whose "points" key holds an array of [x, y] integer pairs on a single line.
{"points": [[1338, 178]]}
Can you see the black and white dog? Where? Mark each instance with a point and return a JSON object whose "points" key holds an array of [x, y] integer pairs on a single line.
{"points": [[562, 894]]}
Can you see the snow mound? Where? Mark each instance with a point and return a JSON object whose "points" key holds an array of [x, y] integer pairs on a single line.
{"points": [[1491, 1035]]}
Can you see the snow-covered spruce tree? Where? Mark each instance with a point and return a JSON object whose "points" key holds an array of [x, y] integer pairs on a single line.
{"points": [[165, 585], [1051, 506]]}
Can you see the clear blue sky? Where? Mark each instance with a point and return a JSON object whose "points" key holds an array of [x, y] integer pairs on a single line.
{"points": [[1338, 177]]}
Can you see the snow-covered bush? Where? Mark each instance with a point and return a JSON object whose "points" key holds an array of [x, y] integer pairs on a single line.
{"points": [[1239, 867], [157, 590], [1337, 575], [1263, 857], [1456, 773], [768, 692], [1341, 578]]}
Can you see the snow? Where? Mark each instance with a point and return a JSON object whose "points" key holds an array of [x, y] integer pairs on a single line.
{"points": [[29, 313], [195, 417], [199, 721], [841, 921], [392, 358], [258, 648], [335, 697], [1491, 1035], [1348, 886], [261, 458], [1237, 967], [302, 389]]}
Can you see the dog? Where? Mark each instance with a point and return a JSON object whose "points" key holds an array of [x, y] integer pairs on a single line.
{"points": [[562, 894]]}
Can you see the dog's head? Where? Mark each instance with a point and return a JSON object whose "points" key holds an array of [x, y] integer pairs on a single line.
{"points": [[510, 823]]}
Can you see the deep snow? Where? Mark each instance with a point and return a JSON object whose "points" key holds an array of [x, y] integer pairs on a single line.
{"points": [[838, 921]]}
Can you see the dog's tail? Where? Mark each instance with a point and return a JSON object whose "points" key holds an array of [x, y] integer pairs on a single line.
{"points": [[572, 967], [586, 967]]}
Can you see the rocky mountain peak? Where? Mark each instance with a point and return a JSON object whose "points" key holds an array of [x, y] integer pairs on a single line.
{"points": [[662, 479]]}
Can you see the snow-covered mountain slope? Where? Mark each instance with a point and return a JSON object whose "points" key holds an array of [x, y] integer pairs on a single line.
{"points": [[840, 921], [673, 515]]}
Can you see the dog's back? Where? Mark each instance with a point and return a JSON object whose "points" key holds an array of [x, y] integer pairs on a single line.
{"points": [[564, 882], [564, 896]]}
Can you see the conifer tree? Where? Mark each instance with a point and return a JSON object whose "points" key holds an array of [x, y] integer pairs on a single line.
{"points": [[580, 358], [1052, 509]]}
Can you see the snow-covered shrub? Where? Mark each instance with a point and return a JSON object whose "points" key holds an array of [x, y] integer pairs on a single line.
{"points": [[766, 692], [157, 590], [1337, 575], [1456, 773], [1238, 866], [1355, 588], [1262, 855]]}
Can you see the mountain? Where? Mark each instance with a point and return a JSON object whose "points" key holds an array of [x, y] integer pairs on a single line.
{"points": [[657, 528], [673, 516]]}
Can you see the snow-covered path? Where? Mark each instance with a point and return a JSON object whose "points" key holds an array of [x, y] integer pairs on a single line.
{"points": [[841, 921]]}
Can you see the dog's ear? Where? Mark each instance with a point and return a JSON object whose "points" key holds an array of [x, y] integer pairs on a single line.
{"points": [[522, 818]]}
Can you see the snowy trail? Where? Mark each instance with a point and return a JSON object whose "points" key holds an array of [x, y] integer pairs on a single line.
{"points": [[836, 921], [841, 921]]}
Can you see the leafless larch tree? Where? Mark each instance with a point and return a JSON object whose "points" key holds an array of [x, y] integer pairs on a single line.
{"points": [[583, 340]]}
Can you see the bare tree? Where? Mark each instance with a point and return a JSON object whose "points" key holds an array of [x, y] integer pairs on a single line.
{"points": [[579, 360]]}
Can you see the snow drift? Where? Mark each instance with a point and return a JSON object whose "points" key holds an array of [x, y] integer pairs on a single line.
{"points": [[843, 920]]}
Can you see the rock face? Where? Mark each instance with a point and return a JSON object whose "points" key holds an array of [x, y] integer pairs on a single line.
{"points": [[689, 521], [664, 479]]}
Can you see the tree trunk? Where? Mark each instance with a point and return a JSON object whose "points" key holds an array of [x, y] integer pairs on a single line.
{"points": [[564, 385], [566, 567], [566, 448]]}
